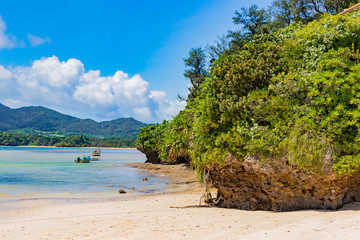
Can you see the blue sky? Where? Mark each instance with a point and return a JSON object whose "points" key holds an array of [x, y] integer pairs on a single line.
{"points": [[105, 59]]}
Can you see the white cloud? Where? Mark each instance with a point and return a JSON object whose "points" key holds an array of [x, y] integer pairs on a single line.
{"points": [[7, 41], [157, 96], [66, 87], [142, 113], [134, 90], [94, 90], [55, 73], [37, 41], [4, 73], [118, 90], [165, 108]]}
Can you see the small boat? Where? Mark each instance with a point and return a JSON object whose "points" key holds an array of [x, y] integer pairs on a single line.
{"points": [[82, 160], [94, 159], [96, 153]]}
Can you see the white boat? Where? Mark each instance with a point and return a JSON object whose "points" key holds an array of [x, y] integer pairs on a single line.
{"points": [[96, 153]]}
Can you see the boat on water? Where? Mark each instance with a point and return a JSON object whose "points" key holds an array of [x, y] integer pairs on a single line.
{"points": [[95, 156], [96, 153], [83, 159]]}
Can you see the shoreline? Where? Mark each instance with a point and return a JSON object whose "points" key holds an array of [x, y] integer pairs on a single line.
{"points": [[179, 178], [171, 215], [179, 174]]}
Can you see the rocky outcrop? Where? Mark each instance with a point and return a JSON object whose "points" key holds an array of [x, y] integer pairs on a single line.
{"points": [[152, 156], [274, 186]]}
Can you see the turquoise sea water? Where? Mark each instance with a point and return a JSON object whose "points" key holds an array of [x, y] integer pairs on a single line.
{"points": [[36, 172]]}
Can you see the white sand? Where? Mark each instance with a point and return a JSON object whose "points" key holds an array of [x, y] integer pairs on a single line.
{"points": [[163, 216], [153, 217]]}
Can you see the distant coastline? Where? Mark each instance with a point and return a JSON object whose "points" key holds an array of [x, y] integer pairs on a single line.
{"points": [[16, 139], [25, 146], [47, 122]]}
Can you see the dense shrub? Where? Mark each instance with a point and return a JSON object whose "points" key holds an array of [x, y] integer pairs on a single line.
{"points": [[294, 93]]}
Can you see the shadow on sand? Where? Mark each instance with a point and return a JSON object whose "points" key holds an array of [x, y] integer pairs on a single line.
{"points": [[350, 206]]}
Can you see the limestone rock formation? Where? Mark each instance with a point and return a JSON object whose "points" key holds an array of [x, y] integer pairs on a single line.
{"points": [[274, 186], [152, 156]]}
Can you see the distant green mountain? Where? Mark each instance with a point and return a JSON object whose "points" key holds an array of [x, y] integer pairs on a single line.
{"points": [[45, 121]]}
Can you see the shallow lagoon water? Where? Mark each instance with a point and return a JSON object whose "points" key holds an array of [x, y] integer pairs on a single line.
{"points": [[36, 172]]}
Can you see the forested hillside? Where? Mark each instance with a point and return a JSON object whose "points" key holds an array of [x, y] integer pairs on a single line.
{"points": [[285, 85], [14, 139], [43, 121]]}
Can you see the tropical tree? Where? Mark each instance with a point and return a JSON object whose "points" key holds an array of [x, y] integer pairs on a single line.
{"points": [[253, 19], [196, 70]]}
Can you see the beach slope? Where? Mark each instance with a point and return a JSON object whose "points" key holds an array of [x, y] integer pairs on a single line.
{"points": [[171, 216]]}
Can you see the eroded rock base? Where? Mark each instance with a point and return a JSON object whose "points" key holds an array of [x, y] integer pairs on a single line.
{"points": [[151, 155], [250, 185]]}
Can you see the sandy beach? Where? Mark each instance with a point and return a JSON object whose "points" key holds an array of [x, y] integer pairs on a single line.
{"points": [[170, 216]]}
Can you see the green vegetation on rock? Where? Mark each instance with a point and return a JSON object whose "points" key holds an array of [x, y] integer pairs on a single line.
{"points": [[293, 93]]}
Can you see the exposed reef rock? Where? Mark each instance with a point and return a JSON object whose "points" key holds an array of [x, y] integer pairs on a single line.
{"points": [[122, 191], [152, 156], [273, 186]]}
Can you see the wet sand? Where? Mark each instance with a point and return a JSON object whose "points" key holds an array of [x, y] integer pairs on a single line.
{"points": [[180, 174]]}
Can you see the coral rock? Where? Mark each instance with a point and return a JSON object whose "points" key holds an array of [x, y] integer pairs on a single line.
{"points": [[274, 186], [152, 156], [121, 191]]}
